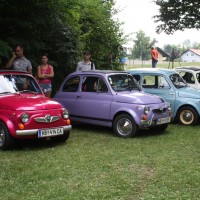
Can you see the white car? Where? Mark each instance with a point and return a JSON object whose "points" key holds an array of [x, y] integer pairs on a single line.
{"points": [[191, 75]]}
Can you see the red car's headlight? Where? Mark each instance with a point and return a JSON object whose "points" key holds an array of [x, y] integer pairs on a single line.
{"points": [[24, 118], [65, 114]]}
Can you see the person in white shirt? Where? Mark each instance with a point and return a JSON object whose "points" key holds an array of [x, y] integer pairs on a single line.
{"points": [[86, 64]]}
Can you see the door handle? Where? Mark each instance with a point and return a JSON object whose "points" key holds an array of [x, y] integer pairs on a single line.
{"points": [[171, 93], [78, 96]]}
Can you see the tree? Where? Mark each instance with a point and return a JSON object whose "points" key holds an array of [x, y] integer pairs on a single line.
{"points": [[100, 34], [142, 45], [61, 28], [177, 15]]}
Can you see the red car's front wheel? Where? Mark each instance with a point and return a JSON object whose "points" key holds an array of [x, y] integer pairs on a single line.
{"points": [[6, 140]]}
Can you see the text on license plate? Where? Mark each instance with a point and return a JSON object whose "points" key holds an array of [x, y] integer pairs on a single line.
{"points": [[50, 132], [163, 120]]}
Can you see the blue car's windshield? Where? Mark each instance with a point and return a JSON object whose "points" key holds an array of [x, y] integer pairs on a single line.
{"points": [[123, 82], [11, 83], [178, 81]]}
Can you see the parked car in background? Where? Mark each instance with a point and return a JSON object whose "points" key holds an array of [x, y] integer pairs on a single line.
{"points": [[191, 75], [169, 85], [113, 99], [25, 112]]}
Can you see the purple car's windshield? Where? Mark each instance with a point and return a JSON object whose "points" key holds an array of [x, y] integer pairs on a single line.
{"points": [[178, 81], [123, 82], [10, 83]]}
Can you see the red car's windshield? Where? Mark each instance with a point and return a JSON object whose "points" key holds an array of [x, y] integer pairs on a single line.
{"points": [[10, 83]]}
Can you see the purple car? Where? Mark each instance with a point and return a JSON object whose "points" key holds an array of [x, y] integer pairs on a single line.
{"points": [[113, 99]]}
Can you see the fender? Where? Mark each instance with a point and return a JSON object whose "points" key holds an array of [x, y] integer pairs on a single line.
{"points": [[11, 127]]}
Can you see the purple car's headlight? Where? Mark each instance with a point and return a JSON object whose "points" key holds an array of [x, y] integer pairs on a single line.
{"points": [[169, 108], [146, 110], [24, 117]]}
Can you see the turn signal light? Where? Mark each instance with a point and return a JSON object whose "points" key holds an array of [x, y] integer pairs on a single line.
{"points": [[21, 126], [144, 117], [68, 121]]}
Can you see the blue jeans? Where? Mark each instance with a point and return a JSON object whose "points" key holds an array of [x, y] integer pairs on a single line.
{"points": [[47, 87], [154, 63]]}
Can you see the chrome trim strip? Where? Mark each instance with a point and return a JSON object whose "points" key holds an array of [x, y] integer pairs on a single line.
{"points": [[35, 131], [47, 119]]}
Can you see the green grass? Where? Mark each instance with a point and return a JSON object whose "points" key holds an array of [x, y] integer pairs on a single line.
{"points": [[165, 65], [95, 164]]}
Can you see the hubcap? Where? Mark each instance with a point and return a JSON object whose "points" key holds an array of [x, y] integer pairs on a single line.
{"points": [[124, 126], [2, 136], [187, 117]]}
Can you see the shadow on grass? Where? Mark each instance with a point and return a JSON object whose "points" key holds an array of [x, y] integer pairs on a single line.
{"points": [[35, 144], [150, 133], [143, 132], [103, 130]]}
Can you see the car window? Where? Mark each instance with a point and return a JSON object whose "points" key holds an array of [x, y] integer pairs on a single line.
{"points": [[177, 81], [155, 81], [101, 86], [71, 85], [137, 77], [123, 82], [198, 77], [11, 83], [150, 81], [89, 84], [188, 77]]}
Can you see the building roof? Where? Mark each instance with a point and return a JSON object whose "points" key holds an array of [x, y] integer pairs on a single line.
{"points": [[196, 51], [163, 53]]}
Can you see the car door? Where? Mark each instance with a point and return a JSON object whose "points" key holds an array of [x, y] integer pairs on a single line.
{"points": [[159, 85], [67, 95], [94, 100]]}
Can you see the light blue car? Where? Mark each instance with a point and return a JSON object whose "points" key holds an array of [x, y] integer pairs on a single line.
{"points": [[169, 85]]}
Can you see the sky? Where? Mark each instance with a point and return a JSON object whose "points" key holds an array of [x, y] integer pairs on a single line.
{"points": [[137, 15]]}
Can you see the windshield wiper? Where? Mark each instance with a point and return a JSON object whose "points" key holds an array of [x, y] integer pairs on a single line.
{"points": [[28, 91], [5, 92]]}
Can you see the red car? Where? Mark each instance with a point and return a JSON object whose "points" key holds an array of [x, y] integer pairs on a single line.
{"points": [[25, 112]]}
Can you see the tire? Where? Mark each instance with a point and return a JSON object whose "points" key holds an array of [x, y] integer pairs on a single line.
{"points": [[159, 128], [125, 126], [61, 138], [6, 140], [187, 116]]}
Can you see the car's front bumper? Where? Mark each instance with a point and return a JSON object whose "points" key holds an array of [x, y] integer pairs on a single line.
{"points": [[35, 131], [152, 122]]}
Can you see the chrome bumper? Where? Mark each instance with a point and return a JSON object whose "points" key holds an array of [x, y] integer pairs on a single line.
{"points": [[35, 131], [151, 122]]}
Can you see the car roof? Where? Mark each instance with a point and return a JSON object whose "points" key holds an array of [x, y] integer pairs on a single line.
{"points": [[152, 70], [100, 72], [189, 68]]}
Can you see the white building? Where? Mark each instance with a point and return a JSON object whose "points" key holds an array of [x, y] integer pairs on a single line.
{"points": [[191, 55]]}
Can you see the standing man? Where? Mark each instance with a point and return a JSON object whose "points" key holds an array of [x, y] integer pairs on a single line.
{"points": [[86, 64], [123, 59], [154, 56], [19, 62]]}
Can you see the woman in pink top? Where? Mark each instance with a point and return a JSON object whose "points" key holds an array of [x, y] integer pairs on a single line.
{"points": [[45, 73]]}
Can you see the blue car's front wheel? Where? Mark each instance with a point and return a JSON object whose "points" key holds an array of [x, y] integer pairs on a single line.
{"points": [[187, 116], [125, 126]]}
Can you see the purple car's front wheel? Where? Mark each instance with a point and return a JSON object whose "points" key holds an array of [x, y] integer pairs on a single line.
{"points": [[124, 126]]}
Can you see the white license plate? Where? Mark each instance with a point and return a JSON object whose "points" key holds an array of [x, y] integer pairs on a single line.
{"points": [[163, 120], [50, 132]]}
